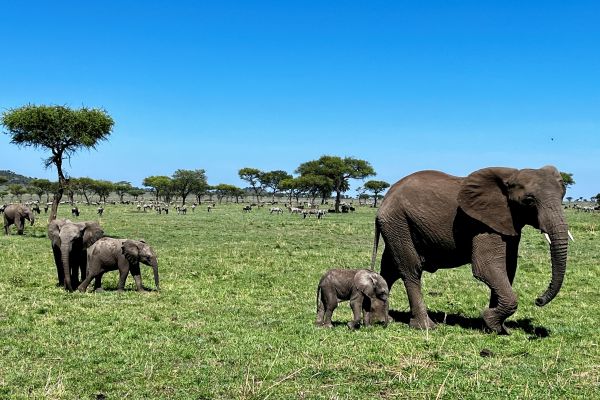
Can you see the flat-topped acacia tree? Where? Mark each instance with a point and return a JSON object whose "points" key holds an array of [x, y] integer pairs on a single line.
{"points": [[338, 170], [59, 129]]}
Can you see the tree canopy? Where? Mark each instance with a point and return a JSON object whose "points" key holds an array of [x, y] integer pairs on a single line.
{"points": [[567, 179], [59, 129], [158, 183], [272, 180], [376, 187], [254, 177], [187, 181], [339, 171]]}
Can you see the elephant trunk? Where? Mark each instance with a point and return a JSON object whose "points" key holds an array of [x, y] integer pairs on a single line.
{"points": [[154, 265], [65, 250], [552, 221]]}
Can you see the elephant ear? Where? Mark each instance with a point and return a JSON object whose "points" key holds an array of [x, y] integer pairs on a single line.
{"points": [[483, 196], [131, 251], [365, 283], [91, 233]]}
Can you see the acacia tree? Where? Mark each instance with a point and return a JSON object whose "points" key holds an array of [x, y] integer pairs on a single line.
{"points": [[36, 189], [59, 129], [136, 192], [289, 185], [102, 189], [254, 177], [45, 186], [84, 186], [160, 184], [376, 187], [272, 180], [567, 179], [185, 181], [17, 190], [121, 188], [339, 171]]}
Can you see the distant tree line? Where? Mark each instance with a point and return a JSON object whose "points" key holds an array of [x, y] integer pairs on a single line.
{"points": [[62, 131]]}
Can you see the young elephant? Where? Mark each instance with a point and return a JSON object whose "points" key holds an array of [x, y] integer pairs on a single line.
{"points": [[17, 214], [362, 287], [109, 254]]}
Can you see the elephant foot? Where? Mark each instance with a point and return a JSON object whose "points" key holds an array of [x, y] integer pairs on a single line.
{"points": [[324, 325], [353, 325], [493, 322], [422, 323]]}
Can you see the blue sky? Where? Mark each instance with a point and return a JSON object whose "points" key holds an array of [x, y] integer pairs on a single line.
{"points": [[222, 85]]}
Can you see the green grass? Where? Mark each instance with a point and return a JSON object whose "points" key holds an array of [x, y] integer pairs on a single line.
{"points": [[234, 318]]}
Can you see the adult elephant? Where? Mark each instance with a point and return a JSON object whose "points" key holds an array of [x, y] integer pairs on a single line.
{"points": [[69, 243], [430, 220], [17, 214]]}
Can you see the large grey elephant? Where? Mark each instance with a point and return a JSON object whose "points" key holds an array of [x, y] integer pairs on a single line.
{"points": [[69, 243], [17, 214], [109, 254], [430, 220]]}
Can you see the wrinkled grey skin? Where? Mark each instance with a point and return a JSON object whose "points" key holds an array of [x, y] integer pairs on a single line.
{"points": [[362, 287], [430, 220], [69, 243], [17, 214], [109, 254]]}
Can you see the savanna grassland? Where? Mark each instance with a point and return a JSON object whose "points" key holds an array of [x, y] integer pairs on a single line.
{"points": [[234, 318]]}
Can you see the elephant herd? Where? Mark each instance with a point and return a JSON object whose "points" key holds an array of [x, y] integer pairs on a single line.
{"points": [[82, 253], [428, 220]]}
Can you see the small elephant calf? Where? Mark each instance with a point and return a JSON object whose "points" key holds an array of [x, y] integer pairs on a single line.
{"points": [[365, 289], [109, 254]]}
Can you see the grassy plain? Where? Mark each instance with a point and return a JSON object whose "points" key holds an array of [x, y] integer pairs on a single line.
{"points": [[234, 318]]}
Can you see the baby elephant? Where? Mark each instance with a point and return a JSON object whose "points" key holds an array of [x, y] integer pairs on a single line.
{"points": [[109, 254], [362, 287]]}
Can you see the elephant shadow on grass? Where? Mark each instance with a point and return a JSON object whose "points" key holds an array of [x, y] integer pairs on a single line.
{"points": [[474, 323], [113, 288]]}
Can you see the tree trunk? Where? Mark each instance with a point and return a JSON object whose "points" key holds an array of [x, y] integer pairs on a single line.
{"points": [[338, 196]]}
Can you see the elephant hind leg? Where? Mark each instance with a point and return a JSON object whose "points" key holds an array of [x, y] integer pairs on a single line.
{"points": [[401, 260], [491, 266]]}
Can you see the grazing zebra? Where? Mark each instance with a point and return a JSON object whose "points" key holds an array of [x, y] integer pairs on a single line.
{"points": [[275, 210]]}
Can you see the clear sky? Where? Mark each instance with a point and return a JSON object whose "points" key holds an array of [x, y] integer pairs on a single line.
{"points": [[222, 85]]}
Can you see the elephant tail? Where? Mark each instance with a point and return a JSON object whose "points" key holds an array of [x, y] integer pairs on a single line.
{"points": [[375, 244], [318, 296]]}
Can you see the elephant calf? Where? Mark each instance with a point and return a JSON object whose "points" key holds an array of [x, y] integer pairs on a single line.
{"points": [[365, 289], [109, 254], [17, 214]]}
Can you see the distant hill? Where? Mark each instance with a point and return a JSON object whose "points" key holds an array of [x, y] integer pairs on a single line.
{"points": [[14, 177]]}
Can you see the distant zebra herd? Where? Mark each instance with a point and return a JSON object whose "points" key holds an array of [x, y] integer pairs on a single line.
{"points": [[591, 209]]}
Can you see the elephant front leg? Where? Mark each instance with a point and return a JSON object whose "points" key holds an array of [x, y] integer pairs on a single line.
{"points": [[356, 304], [491, 266], [137, 277], [59, 267]]}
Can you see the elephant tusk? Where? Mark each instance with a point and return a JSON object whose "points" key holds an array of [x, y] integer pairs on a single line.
{"points": [[547, 238], [570, 236]]}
